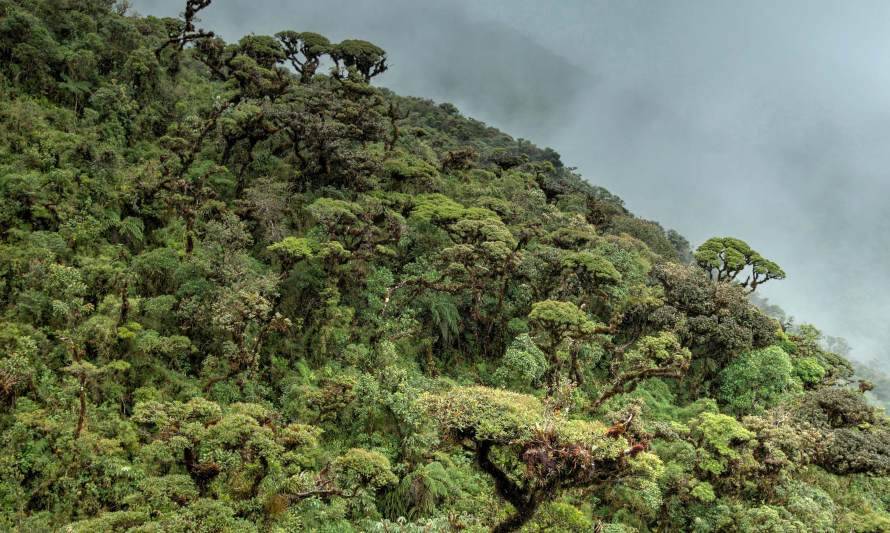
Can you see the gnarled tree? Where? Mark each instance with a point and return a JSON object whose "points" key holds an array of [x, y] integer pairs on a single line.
{"points": [[659, 355], [551, 452], [366, 58], [724, 258], [560, 328], [304, 50], [186, 31]]}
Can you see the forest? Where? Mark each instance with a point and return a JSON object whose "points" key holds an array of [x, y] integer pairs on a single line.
{"points": [[243, 288]]}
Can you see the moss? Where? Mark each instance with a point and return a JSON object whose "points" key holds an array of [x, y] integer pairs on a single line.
{"points": [[703, 492], [294, 248], [485, 413], [436, 208], [364, 468], [409, 167], [722, 433], [594, 265], [560, 315]]}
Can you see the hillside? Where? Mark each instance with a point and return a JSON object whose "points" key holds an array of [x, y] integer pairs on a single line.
{"points": [[244, 289]]}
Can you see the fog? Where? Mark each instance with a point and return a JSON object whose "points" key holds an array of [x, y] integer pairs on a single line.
{"points": [[762, 120]]}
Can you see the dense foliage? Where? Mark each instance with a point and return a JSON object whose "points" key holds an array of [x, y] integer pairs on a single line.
{"points": [[244, 289]]}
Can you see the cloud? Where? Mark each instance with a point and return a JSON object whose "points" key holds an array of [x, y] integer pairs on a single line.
{"points": [[768, 121], [437, 50]]}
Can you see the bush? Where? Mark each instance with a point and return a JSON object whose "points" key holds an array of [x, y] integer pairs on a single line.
{"points": [[757, 380]]}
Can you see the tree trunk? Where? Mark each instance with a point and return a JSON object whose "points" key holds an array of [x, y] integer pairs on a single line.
{"points": [[518, 519], [577, 376], [125, 305], [82, 415], [524, 500], [189, 230]]}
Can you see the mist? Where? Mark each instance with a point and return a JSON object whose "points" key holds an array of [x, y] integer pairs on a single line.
{"points": [[762, 120]]}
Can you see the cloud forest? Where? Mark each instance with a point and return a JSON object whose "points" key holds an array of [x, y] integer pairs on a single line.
{"points": [[245, 288]]}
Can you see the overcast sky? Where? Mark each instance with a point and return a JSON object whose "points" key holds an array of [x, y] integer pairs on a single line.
{"points": [[769, 121]]}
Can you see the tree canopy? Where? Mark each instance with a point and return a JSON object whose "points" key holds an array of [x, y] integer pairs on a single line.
{"points": [[725, 258], [243, 288]]}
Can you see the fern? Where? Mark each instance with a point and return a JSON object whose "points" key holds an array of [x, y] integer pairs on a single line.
{"points": [[420, 493], [443, 314], [132, 228]]}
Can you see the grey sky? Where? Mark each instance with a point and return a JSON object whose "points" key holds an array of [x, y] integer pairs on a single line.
{"points": [[769, 121]]}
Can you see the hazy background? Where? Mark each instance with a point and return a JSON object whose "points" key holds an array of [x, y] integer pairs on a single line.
{"points": [[769, 121]]}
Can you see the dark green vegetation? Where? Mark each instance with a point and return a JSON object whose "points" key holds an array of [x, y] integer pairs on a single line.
{"points": [[243, 292]]}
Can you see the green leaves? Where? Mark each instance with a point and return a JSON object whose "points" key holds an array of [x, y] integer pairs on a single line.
{"points": [[561, 319], [658, 351], [363, 468], [703, 492], [265, 50], [366, 58], [485, 414], [726, 254], [87, 370], [722, 440], [560, 329], [293, 249], [600, 270], [304, 51], [721, 432], [659, 355], [17, 367], [437, 208], [757, 381], [726, 257], [233, 298], [410, 168], [809, 370], [522, 366]]}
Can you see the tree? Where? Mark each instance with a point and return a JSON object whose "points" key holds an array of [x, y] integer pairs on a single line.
{"points": [[659, 355], [461, 158], [714, 320], [550, 452], [17, 368], [243, 310], [326, 259], [366, 58], [474, 263], [559, 328], [724, 258], [603, 208], [723, 443], [757, 380], [329, 127], [186, 31], [66, 288], [256, 457], [311, 46], [857, 436], [783, 445], [590, 271], [523, 365], [647, 231], [246, 314], [681, 246], [263, 49]]}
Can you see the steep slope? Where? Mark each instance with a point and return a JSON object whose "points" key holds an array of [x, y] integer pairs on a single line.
{"points": [[243, 289]]}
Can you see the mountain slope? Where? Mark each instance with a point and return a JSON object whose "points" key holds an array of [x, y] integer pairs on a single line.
{"points": [[244, 289]]}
